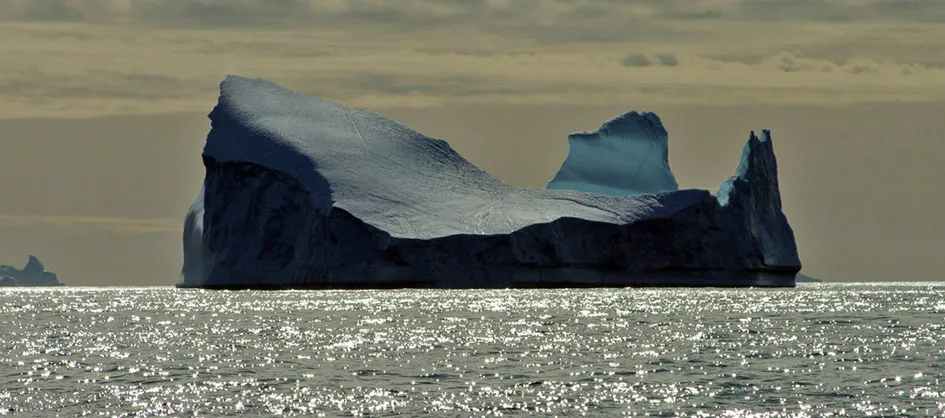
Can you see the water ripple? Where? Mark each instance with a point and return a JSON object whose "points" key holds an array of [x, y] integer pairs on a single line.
{"points": [[818, 350]]}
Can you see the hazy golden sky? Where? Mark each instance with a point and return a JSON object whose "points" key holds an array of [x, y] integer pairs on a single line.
{"points": [[103, 107]]}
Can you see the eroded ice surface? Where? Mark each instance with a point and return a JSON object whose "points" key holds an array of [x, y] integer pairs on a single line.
{"points": [[628, 155], [302, 192]]}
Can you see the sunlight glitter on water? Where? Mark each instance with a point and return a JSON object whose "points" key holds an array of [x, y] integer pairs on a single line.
{"points": [[817, 350]]}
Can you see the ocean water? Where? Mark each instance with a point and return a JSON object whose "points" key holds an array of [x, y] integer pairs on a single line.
{"points": [[817, 350]]}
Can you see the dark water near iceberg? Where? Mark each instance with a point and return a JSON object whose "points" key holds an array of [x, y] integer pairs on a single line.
{"points": [[817, 350]]}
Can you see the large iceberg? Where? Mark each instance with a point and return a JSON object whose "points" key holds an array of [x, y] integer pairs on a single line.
{"points": [[33, 274], [306, 193]]}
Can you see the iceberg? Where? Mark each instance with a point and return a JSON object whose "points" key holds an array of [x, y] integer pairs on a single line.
{"points": [[306, 193], [628, 155], [33, 274]]}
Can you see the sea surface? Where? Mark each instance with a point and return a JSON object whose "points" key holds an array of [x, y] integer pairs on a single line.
{"points": [[816, 350]]}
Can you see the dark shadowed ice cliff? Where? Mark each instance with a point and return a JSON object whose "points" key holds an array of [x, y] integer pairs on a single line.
{"points": [[305, 193], [33, 274]]}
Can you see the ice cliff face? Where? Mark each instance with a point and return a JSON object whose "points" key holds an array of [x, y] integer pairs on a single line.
{"points": [[33, 274], [752, 199], [301, 192], [628, 155]]}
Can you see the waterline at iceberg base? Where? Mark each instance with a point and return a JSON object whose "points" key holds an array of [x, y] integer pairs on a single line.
{"points": [[305, 193]]}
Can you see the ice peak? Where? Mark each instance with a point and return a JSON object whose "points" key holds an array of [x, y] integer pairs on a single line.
{"points": [[34, 266], [754, 195], [758, 151], [631, 123], [765, 136], [627, 155]]}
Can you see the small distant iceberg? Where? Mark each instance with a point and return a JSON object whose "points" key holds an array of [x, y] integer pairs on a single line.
{"points": [[34, 274], [306, 193]]}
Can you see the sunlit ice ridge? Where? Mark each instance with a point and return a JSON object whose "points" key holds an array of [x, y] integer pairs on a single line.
{"points": [[301, 192]]}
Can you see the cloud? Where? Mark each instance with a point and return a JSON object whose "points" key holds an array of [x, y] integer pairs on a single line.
{"points": [[927, 11], [845, 10], [667, 60], [178, 70], [157, 56], [788, 62], [410, 13], [245, 13], [84, 224], [637, 60], [644, 60]]}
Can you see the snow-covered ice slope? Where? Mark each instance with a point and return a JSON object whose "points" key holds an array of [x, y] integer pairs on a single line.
{"points": [[628, 155], [302, 192]]}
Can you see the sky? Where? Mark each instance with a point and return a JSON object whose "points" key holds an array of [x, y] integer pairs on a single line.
{"points": [[103, 107]]}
